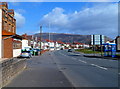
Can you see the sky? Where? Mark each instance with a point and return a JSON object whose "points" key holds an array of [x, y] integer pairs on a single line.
{"points": [[84, 18]]}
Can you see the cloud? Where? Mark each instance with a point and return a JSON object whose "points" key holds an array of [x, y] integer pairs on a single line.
{"points": [[15, 3], [56, 18], [20, 11], [20, 19], [99, 19]]}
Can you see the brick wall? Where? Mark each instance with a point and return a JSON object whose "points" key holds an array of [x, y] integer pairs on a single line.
{"points": [[9, 69], [8, 48]]}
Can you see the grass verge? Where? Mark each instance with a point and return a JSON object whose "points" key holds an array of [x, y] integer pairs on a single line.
{"points": [[87, 51]]}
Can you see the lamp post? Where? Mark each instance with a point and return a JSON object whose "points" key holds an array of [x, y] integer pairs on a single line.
{"points": [[40, 39], [49, 36]]}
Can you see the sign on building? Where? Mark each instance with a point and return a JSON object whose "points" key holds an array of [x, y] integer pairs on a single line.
{"points": [[97, 39]]}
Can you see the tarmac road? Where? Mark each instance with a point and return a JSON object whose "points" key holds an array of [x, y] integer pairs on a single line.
{"points": [[87, 72], [67, 69]]}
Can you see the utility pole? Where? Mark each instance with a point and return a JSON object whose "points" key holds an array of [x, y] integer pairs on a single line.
{"points": [[49, 36], [33, 41], [40, 39], [94, 44], [101, 41]]}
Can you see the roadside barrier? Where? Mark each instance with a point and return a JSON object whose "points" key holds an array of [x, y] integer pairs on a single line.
{"points": [[9, 68]]}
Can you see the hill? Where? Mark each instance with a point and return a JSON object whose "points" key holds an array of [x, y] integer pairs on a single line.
{"points": [[67, 37]]}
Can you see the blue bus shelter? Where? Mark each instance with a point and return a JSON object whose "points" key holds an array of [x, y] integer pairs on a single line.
{"points": [[110, 49]]}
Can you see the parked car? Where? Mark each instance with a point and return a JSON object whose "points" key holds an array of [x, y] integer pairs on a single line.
{"points": [[36, 51], [70, 50], [31, 51], [26, 54], [61, 49]]}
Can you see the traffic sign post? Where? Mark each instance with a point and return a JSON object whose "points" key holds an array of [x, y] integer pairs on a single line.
{"points": [[98, 40]]}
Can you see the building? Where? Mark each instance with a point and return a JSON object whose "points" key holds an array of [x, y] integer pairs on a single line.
{"points": [[51, 44], [118, 43], [25, 42], [67, 45], [77, 45], [10, 42]]}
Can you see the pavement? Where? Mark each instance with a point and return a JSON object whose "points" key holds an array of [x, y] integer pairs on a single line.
{"points": [[97, 56], [68, 69]]}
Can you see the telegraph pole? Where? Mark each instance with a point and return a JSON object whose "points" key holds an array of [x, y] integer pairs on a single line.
{"points": [[94, 44], [101, 41], [49, 35], [40, 39]]}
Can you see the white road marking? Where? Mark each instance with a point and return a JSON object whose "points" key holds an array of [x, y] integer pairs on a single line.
{"points": [[119, 73], [99, 66], [63, 54], [111, 60], [73, 58], [82, 61], [79, 60], [86, 62], [75, 54]]}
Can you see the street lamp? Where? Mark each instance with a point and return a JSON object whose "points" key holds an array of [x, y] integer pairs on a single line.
{"points": [[40, 39]]}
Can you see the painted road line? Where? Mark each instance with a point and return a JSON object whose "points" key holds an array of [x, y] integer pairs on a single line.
{"points": [[79, 60], [99, 66], [73, 58], [63, 54], [119, 73], [75, 54], [82, 61]]}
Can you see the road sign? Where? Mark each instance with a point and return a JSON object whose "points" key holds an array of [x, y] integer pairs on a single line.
{"points": [[97, 39]]}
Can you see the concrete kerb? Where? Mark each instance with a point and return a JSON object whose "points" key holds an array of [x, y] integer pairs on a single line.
{"points": [[96, 56], [92, 56]]}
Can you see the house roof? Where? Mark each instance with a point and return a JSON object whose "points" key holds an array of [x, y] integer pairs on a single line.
{"points": [[60, 42], [49, 40], [117, 37], [18, 37], [68, 43], [78, 43]]}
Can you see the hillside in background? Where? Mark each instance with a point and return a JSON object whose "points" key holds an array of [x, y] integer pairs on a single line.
{"points": [[67, 37]]}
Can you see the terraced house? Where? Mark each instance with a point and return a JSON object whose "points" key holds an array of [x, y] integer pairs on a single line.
{"points": [[118, 43], [10, 42]]}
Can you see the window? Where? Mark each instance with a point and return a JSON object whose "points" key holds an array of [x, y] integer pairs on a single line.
{"points": [[17, 45], [10, 27]]}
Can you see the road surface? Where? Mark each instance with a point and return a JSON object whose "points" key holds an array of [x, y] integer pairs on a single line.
{"points": [[87, 72], [67, 69]]}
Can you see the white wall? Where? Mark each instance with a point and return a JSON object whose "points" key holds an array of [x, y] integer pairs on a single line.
{"points": [[0, 33], [24, 43], [16, 52]]}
